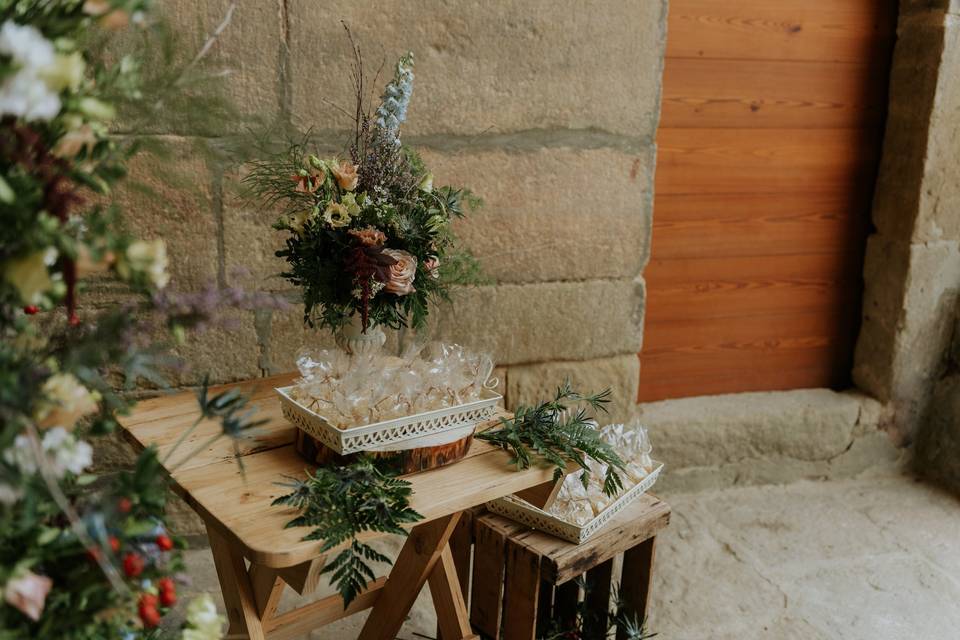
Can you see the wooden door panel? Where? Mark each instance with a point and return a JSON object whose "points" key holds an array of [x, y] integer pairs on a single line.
{"points": [[736, 225], [725, 161], [705, 93], [829, 30]]}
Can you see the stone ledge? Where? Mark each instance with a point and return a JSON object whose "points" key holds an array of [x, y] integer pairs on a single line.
{"points": [[758, 438]]}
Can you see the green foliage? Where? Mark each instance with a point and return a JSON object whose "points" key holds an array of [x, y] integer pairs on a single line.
{"points": [[559, 432], [340, 272], [340, 503]]}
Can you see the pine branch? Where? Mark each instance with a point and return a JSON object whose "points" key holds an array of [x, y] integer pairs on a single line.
{"points": [[559, 432]]}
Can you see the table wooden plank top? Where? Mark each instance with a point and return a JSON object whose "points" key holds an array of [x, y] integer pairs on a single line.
{"points": [[237, 503]]}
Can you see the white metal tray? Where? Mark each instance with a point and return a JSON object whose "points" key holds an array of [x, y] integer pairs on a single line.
{"points": [[427, 429], [525, 513]]}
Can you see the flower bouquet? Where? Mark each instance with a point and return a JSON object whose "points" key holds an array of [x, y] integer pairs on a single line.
{"points": [[369, 240]]}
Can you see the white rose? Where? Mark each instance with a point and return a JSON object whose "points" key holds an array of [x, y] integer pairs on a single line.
{"points": [[66, 401], [148, 258]]}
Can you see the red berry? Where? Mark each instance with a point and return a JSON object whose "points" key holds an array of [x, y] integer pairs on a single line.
{"points": [[114, 543], [148, 600], [124, 505], [31, 309], [132, 565], [164, 542], [168, 598], [166, 584], [149, 615]]}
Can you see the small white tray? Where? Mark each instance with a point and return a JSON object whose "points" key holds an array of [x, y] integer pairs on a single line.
{"points": [[525, 513], [427, 429]]}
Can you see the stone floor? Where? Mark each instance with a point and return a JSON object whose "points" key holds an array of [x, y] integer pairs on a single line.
{"points": [[870, 558]]}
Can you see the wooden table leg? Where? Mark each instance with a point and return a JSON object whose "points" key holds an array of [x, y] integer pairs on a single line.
{"points": [[237, 589], [461, 548], [417, 559], [635, 579], [447, 593]]}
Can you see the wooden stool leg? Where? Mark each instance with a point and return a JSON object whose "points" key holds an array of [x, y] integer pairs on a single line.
{"points": [[597, 600], [521, 593], [635, 579], [420, 553], [452, 618], [237, 589], [461, 546]]}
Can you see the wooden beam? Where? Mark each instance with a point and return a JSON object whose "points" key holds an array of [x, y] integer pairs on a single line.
{"points": [[420, 553], [294, 624], [452, 617], [267, 589], [236, 587], [304, 577]]}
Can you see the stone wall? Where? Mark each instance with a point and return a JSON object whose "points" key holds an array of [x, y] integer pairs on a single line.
{"points": [[912, 268], [545, 109]]}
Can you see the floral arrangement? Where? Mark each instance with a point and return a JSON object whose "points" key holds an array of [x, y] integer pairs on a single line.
{"points": [[369, 233], [81, 556]]}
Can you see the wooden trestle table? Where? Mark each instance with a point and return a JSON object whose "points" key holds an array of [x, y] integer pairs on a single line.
{"points": [[242, 524]]}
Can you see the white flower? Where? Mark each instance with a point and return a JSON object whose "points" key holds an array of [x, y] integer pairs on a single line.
{"points": [[25, 93], [149, 258], [66, 401], [9, 495], [29, 275], [21, 455], [66, 453], [62, 451], [26, 45], [203, 621], [66, 72]]}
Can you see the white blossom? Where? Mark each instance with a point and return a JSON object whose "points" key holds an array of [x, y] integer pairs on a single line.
{"points": [[63, 453], [24, 93]]}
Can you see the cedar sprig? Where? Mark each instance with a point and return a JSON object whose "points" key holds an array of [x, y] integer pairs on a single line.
{"points": [[342, 502], [559, 432]]}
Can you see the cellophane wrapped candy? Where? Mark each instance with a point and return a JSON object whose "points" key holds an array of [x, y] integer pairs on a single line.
{"points": [[578, 504], [355, 390]]}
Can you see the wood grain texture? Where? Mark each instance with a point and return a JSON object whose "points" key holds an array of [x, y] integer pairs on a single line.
{"points": [[830, 30], [237, 502], [703, 93], [759, 224], [750, 161], [772, 119], [753, 285]]}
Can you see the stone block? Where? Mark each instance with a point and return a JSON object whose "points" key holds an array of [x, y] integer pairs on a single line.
{"points": [[518, 65], [542, 322], [937, 217], [249, 241], [534, 383], [227, 352], [938, 442], [554, 213], [885, 273], [809, 424], [247, 53], [173, 200]]}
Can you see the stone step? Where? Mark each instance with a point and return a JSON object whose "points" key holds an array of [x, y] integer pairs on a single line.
{"points": [[766, 438]]}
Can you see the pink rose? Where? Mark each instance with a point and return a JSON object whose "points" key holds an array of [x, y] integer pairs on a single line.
{"points": [[432, 266], [28, 593], [401, 273]]}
